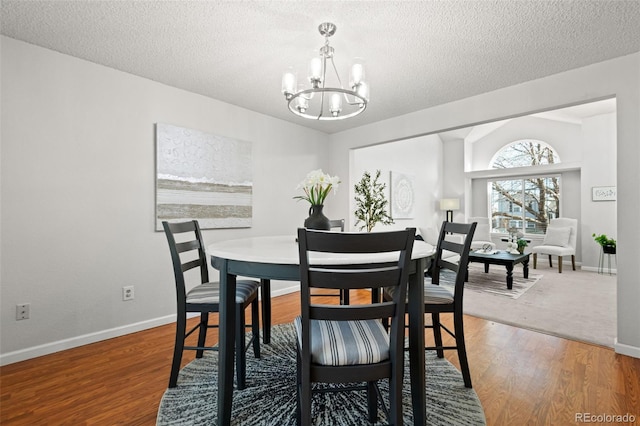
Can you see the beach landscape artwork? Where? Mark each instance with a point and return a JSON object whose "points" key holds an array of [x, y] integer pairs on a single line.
{"points": [[204, 177]]}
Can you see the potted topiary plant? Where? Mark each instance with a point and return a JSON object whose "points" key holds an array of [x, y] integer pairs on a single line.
{"points": [[608, 244], [371, 202]]}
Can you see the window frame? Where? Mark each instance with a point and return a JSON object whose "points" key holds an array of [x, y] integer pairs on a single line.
{"points": [[522, 177]]}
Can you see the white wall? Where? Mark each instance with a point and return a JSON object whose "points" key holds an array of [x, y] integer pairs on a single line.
{"points": [[453, 185], [598, 169], [618, 77], [418, 157], [78, 184]]}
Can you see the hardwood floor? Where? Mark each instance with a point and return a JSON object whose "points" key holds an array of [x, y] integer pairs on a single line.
{"points": [[521, 377]]}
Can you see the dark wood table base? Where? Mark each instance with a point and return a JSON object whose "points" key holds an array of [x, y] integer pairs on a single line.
{"points": [[503, 258]]}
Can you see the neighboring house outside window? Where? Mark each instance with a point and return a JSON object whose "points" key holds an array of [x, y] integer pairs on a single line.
{"points": [[525, 202]]}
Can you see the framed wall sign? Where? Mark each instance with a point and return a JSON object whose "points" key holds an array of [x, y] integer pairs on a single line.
{"points": [[604, 193]]}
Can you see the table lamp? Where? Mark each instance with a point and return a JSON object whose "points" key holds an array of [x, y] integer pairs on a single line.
{"points": [[449, 205]]}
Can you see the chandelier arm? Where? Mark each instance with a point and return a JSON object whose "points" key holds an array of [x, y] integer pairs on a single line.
{"points": [[321, 104], [324, 80], [336, 71]]}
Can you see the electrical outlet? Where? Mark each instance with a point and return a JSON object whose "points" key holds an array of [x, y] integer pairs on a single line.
{"points": [[23, 311], [127, 293]]}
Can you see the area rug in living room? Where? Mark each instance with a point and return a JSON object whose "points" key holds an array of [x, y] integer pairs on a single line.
{"points": [[270, 396], [492, 282]]}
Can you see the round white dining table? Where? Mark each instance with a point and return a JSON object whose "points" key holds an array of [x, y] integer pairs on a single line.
{"points": [[276, 258]]}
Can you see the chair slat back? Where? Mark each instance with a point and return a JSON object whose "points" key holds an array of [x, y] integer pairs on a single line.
{"points": [[376, 274], [192, 250], [464, 232], [337, 223]]}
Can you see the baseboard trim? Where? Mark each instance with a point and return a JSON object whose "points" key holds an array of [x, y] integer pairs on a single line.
{"points": [[74, 342], [286, 290], [621, 348], [596, 269]]}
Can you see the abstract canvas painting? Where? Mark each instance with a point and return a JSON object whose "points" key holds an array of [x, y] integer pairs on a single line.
{"points": [[202, 176]]}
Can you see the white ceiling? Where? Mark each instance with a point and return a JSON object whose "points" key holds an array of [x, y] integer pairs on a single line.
{"points": [[418, 53]]}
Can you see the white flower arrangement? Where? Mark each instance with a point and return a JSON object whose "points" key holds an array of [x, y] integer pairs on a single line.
{"points": [[316, 186]]}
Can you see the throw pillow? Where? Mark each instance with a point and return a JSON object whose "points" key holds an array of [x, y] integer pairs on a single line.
{"points": [[557, 237]]}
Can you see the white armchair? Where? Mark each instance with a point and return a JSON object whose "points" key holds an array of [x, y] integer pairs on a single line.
{"points": [[482, 236], [560, 240]]}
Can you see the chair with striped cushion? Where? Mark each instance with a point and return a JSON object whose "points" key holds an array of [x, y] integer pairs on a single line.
{"points": [[188, 253], [438, 299], [342, 295], [347, 343]]}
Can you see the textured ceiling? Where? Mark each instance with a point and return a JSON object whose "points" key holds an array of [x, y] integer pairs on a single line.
{"points": [[418, 53]]}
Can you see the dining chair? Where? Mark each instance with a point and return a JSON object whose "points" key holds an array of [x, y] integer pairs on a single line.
{"points": [[560, 240], [187, 254], [439, 299], [337, 224], [342, 295], [348, 344]]}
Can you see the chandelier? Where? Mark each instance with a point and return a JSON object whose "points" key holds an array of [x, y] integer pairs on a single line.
{"points": [[320, 102]]}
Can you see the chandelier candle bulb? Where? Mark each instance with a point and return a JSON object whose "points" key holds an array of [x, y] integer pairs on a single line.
{"points": [[302, 104], [336, 104], [289, 81], [315, 71], [357, 75]]}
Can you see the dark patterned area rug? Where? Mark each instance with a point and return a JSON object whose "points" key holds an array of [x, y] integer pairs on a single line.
{"points": [[270, 396]]}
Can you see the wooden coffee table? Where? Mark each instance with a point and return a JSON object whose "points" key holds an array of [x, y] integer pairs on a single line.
{"points": [[502, 258]]}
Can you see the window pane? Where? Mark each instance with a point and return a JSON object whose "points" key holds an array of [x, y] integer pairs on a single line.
{"points": [[506, 204], [525, 204], [542, 198]]}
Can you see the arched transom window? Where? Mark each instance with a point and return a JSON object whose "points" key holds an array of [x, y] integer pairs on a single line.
{"points": [[524, 153]]}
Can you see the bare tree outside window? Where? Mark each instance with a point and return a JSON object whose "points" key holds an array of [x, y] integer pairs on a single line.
{"points": [[524, 204]]}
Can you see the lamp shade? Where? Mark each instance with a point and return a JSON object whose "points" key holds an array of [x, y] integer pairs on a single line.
{"points": [[450, 204]]}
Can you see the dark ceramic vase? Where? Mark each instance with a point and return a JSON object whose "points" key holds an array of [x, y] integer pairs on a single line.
{"points": [[316, 219]]}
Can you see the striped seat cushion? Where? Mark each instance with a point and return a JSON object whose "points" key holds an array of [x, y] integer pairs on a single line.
{"points": [[437, 295], [433, 294], [210, 292], [346, 342]]}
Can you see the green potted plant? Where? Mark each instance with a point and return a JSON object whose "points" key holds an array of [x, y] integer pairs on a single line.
{"points": [[521, 245], [608, 244], [371, 203]]}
